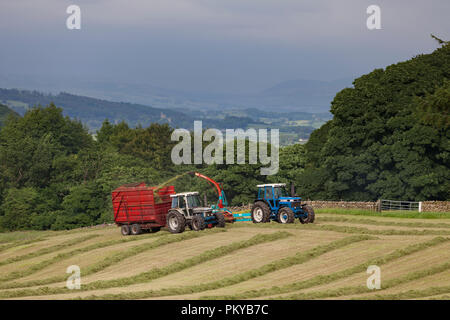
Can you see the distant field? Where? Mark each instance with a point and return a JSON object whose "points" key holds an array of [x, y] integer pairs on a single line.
{"points": [[324, 260]]}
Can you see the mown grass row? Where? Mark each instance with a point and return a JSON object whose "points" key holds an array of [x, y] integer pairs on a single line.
{"points": [[296, 259], [411, 294], [19, 238], [20, 243], [67, 255], [156, 273], [353, 290], [388, 214], [108, 261], [47, 250], [188, 263], [383, 223], [343, 229], [324, 279]]}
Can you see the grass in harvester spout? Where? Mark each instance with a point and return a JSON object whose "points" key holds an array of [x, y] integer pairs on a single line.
{"points": [[161, 185]]}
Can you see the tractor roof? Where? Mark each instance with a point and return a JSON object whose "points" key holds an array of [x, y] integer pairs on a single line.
{"points": [[184, 194], [272, 185]]}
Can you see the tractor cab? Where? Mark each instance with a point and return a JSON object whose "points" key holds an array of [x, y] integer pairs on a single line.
{"points": [[276, 195], [187, 210], [190, 203]]}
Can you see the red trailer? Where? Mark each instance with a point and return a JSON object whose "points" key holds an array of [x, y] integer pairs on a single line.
{"points": [[137, 207]]}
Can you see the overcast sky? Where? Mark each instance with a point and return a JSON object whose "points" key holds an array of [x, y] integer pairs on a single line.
{"points": [[214, 45]]}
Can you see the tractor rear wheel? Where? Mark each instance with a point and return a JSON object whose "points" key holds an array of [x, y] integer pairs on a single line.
{"points": [[260, 212], [285, 215], [176, 222], [125, 230], [135, 229], [220, 220], [198, 223], [310, 212]]}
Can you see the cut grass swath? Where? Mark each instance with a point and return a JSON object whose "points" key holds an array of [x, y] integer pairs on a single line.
{"points": [[47, 250], [413, 294], [343, 229], [179, 266], [108, 261], [298, 258], [383, 223], [175, 267], [67, 255], [353, 290], [323, 279], [389, 214]]}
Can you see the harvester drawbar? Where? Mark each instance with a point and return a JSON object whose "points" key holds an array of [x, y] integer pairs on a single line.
{"points": [[222, 202]]}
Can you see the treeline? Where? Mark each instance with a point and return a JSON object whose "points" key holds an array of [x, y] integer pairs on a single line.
{"points": [[55, 175], [389, 137]]}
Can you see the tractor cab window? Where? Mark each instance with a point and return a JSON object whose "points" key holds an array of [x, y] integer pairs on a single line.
{"points": [[280, 192], [175, 202], [178, 202], [269, 194], [194, 201]]}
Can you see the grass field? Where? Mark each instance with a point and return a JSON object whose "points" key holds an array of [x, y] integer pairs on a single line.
{"points": [[324, 260]]}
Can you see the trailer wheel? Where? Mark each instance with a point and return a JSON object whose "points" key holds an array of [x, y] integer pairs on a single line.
{"points": [[135, 229], [198, 223], [285, 215], [176, 222], [260, 212], [125, 230], [220, 220], [311, 215]]}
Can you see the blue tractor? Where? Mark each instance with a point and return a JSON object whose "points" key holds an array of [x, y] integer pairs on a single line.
{"points": [[274, 203]]}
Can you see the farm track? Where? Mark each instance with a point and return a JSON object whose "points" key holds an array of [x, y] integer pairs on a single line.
{"points": [[237, 261]]}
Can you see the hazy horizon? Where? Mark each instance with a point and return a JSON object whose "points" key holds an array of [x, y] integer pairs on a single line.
{"points": [[229, 47]]}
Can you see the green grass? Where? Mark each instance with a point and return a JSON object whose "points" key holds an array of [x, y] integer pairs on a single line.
{"points": [[324, 279], [342, 229], [296, 259], [389, 214], [383, 222]]}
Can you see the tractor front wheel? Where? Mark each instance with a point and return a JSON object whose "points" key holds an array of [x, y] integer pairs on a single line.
{"points": [[198, 223], [310, 214], [260, 212], [220, 220], [285, 215], [176, 222]]}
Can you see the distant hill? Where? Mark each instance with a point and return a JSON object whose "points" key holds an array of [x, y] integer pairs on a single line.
{"points": [[4, 113], [93, 111], [288, 96], [304, 95]]}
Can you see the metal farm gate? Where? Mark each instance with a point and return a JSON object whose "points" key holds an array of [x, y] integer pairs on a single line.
{"points": [[391, 205]]}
